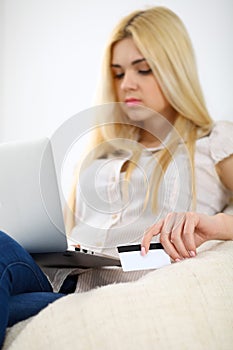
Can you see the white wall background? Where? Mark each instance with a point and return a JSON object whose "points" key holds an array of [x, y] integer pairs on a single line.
{"points": [[51, 53]]}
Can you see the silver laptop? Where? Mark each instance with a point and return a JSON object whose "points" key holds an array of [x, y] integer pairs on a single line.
{"points": [[30, 205]]}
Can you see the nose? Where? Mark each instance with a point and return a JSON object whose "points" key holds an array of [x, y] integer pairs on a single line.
{"points": [[128, 82]]}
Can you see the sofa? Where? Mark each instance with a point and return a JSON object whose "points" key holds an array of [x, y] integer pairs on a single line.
{"points": [[185, 305]]}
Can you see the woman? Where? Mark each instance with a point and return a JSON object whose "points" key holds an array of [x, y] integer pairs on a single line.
{"points": [[149, 62], [134, 175]]}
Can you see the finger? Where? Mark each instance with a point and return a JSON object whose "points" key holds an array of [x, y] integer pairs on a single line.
{"points": [[169, 247], [189, 234], [150, 232], [169, 221], [165, 236], [177, 236]]}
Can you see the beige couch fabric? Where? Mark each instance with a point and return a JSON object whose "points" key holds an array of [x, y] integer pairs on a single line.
{"points": [[187, 305]]}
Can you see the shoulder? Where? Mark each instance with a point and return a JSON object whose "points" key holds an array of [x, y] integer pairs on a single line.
{"points": [[221, 140]]}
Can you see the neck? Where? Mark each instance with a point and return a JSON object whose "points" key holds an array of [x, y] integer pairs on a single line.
{"points": [[153, 131], [148, 140]]}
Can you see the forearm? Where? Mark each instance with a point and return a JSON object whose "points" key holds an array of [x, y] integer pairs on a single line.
{"points": [[224, 226]]}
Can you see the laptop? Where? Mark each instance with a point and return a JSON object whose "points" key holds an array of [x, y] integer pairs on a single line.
{"points": [[30, 206]]}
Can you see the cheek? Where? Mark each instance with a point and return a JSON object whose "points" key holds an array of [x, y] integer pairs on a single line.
{"points": [[156, 94], [118, 91]]}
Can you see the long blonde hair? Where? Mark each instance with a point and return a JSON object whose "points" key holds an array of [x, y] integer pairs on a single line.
{"points": [[162, 39]]}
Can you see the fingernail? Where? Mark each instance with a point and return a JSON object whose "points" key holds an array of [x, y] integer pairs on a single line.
{"points": [[143, 251], [177, 260], [192, 253]]}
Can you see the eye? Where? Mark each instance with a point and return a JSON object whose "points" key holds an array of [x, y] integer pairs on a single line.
{"points": [[145, 71], [118, 75]]}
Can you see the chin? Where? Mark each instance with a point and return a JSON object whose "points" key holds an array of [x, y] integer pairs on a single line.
{"points": [[139, 114]]}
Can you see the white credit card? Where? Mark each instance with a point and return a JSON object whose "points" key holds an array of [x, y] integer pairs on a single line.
{"points": [[132, 260]]}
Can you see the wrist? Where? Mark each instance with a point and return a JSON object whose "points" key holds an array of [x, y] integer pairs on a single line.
{"points": [[223, 226]]}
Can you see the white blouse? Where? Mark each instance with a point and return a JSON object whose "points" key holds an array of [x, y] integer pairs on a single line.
{"points": [[107, 215]]}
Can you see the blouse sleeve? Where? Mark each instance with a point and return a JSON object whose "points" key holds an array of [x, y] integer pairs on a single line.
{"points": [[221, 140]]}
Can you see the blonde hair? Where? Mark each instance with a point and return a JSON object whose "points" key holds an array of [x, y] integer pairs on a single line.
{"points": [[162, 39]]}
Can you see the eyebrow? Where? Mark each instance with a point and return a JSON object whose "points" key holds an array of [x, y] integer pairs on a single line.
{"points": [[133, 63]]}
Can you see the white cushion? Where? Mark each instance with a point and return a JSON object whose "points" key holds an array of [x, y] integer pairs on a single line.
{"points": [[187, 305]]}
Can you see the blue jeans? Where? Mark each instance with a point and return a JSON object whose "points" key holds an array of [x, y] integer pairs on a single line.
{"points": [[24, 288]]}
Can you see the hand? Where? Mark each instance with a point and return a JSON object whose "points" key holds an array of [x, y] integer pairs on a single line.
{"points": [[181, 233]]}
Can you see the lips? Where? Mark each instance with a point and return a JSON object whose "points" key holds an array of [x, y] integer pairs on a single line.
{"points": [[132, 101]]}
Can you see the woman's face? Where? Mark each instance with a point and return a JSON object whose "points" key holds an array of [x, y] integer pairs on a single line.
{"points": [[135, 84]]}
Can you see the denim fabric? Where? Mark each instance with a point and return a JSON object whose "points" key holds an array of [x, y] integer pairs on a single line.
{"points": [[24, 288]]}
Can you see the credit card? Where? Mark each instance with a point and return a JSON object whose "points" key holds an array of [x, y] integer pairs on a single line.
{"points": [[132, 260]]}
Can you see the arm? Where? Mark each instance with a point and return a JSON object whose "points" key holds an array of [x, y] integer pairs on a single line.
{"points": [[225, 172], [182, 233]]}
